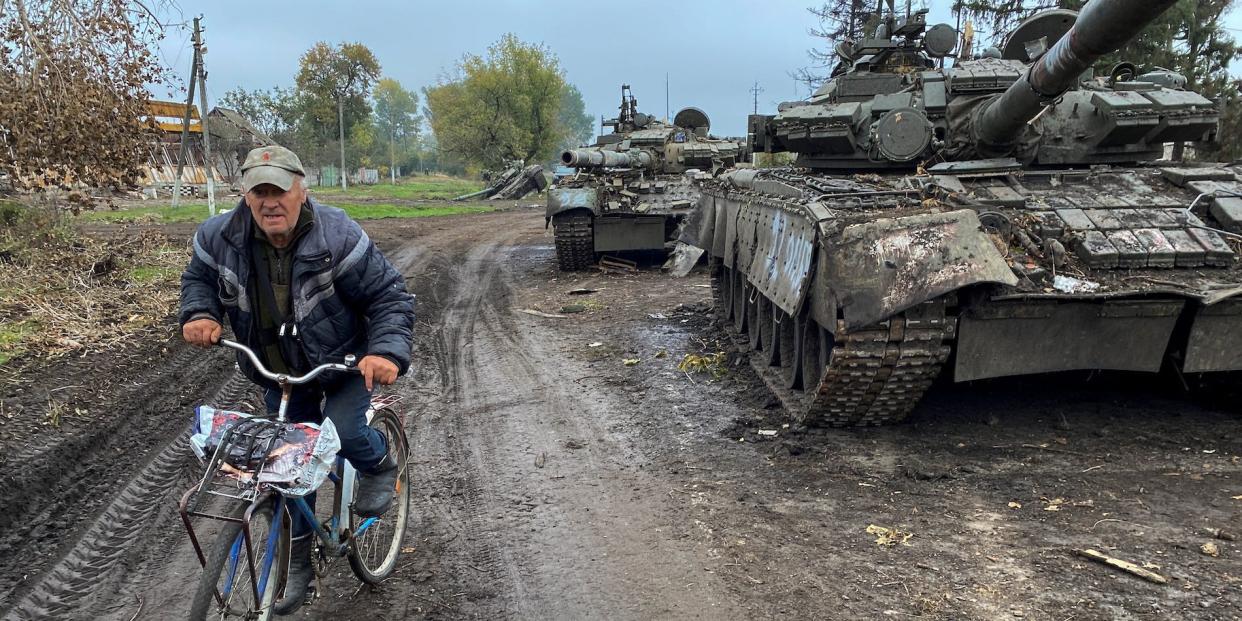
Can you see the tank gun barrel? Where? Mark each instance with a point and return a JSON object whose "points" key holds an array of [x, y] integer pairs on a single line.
{"points": [[600, 158], [1102, 28]]}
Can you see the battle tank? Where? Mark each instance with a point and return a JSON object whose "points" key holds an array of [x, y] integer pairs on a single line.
{"points": [[1004, 216], [635, 186]]}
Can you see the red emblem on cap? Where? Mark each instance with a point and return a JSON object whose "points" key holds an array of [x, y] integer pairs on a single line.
{"points": [[267, 156]]}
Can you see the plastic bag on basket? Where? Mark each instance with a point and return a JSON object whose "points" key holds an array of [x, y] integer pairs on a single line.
{"points": [[298, 456]]}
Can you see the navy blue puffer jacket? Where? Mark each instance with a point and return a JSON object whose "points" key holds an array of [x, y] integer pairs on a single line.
{"points": [[347, 298]]}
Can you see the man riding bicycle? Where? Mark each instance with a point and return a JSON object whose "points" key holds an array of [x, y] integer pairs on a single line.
{"points": [[302, 284]]}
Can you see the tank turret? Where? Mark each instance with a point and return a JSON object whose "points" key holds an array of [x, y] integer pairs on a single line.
{"points": [[1103, 27], [892, 103]]}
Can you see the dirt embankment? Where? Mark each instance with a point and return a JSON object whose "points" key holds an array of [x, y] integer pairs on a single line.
{"points": [[553, 480]]}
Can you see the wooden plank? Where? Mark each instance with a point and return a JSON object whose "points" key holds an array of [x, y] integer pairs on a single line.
{"points": [[1125, 566]]}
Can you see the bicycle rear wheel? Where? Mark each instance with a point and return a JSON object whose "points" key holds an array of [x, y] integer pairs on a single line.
{"points": [[375, 551], [225, 590]]}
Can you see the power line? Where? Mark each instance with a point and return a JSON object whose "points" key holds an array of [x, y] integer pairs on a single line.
{"points": [[755, 90]]}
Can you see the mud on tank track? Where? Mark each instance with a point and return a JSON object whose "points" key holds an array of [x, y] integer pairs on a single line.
{"points": [[871, 376]]}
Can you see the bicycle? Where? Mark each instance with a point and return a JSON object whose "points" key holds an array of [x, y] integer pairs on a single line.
{"points": [[255, 539]]}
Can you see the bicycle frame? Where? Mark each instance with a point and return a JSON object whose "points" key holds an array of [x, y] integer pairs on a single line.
{"points": [[335, 539]]}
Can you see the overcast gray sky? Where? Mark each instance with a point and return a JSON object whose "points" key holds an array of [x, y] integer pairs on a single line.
{"points": [[713, 52]]}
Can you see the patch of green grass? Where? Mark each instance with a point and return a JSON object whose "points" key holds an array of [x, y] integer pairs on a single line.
{"points": [[10, 212], [409, 188], [197, 212], [12, 336], [185, 212], [144, 274], [372, 211]]}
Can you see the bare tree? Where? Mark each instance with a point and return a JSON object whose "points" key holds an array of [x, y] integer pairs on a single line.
{"points": [[73, 76]]}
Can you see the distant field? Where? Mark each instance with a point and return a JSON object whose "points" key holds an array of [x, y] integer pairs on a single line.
{"points": [[196, 211], [411, 189], [404, 200]]}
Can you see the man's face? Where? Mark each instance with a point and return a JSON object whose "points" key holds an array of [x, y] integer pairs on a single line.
{"points": [[276, 210]]}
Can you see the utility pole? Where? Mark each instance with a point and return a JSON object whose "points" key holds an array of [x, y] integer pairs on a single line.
{"points": [[755, 90], [392, 146], [185, 121], [340, 121], [199, 51]]}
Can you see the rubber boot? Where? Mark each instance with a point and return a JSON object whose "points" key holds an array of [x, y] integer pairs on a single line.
{"points": [[377, 488], [301, 572]]}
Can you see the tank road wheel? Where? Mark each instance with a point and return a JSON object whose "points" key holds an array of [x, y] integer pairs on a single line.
{"points": [[767, 329], [816, 343], [575, 241], [754, 318], [787, 349], [722, 293], [739, 302]]}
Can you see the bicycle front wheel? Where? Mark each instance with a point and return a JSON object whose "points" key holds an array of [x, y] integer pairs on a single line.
{"points": [[227, 588], [374, 553]]}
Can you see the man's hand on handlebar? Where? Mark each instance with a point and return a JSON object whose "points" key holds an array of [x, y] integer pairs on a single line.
{"points": [[377, 370], [374, 369], [201, 332]]}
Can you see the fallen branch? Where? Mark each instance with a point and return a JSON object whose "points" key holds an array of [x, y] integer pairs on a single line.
{"points": [[1125, 566], [531, 311]]}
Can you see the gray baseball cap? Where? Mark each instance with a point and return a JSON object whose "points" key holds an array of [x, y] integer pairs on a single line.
{"points": [[272, 164]]}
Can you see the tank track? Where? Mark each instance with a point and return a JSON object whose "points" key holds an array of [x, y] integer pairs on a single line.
{"points": [[874, 375], [575, 242], [877, 374]]}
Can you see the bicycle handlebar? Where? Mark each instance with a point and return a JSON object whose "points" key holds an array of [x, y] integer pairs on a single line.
{"points": [[282, 378]]}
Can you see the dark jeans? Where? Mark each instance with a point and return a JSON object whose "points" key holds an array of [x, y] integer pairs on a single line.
{"points": [[346, 405]]}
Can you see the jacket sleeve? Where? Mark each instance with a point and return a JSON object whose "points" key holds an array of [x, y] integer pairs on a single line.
{"points": [[377, 289], [200, 283]]}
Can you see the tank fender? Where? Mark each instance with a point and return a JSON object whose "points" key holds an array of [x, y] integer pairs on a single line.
{"points": [[878, 269], [773, 247], [700, 225], [561, 200]]}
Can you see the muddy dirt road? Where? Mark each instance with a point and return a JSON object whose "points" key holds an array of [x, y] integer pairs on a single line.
{"points": [[554, 481]]}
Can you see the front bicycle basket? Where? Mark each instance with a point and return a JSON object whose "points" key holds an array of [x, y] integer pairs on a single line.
{"points": [[252, 451]]}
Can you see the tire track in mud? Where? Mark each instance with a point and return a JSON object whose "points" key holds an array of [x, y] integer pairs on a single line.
{"points": [[473, 289], [496, 536], [69, 590], [88, 569], [537, 529], [51, 487]]}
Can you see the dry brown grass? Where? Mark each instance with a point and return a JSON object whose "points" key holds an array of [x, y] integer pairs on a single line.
{"points": [[62, 293]]}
